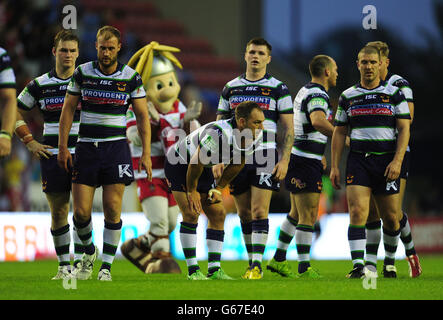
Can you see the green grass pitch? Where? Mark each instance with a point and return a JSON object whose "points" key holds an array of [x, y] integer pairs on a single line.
{"points": [[31, 281]]}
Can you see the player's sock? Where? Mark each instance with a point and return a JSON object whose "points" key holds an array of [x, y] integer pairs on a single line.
{"points": [[79, 249], [373, 237], [62, 241], [84, 232], [214, 241], [247, 237], [111, 239], [287, 232], [406, 235], [260, 229], [188, 239], [303, 240], [390, 240], [357, 243]]}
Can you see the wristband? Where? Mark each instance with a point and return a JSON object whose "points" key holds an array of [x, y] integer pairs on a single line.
{"points": [[6, 135], [28, 138]]}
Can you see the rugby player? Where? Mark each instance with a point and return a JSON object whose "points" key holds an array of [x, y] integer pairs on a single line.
{"points": [[373, 226], [105, 89], [252, 188], [190, 178], [312, 127], [47, 93], [377, 115], [8, 102]]}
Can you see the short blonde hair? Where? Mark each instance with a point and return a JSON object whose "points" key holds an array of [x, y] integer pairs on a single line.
{"points": [[381, 46], [108, 32]]}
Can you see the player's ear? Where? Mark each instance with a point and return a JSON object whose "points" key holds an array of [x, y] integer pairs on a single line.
{"points": [[53, 51], [387, 62]]}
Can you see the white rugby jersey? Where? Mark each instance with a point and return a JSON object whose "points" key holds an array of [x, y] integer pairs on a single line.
{"points": [[217, 144], [7, 76], [371, 116], [104, 100], [47, 92], [308, 142], [160, 143], [269, 93], [403, 85]]}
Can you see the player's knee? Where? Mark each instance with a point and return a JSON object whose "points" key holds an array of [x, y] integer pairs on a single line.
{"points": [[390, 221], [259, 213], [244, 215], [81, 215], [358, 214]]}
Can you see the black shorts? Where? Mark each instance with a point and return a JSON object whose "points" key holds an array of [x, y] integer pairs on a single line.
{"points": [[176, 178], [368, 170], [304, 175], [257, 174], [102, 163], [405, 165], [54, 178]]}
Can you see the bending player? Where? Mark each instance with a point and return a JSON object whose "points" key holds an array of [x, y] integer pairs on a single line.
{"points": [[188, 170]]}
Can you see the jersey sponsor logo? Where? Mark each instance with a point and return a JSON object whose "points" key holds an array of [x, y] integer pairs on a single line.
{"points": [[53, 104], [318, 102], [370, 96], [104, 97], [251, 88], [376, 109], [263, 102], [124, 170]]}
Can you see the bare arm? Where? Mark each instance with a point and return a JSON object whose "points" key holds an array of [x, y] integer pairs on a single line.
{"points": [[321, 124], [337, 145], [9, 109], [393, 169], [22, 131], [195, 169], [281, 168], [70, 104], [140, 108]]}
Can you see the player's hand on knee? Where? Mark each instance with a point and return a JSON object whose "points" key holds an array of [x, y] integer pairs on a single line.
{"points": [[194, 201]]}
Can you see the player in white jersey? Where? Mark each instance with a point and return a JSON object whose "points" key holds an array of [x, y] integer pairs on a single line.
{"points": [[8, 103], [373, 226], [190, 178], [47, 93], [312, 127], [105, 89], [253, 187]]}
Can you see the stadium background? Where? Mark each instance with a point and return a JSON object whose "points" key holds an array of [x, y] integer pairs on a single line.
{"points": [[212, 36]]}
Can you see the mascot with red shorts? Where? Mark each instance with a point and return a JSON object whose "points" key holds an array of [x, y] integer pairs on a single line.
{"points": [[156, 64]]}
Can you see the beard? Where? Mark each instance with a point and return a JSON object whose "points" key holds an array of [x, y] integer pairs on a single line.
{"points": [[107, 62]]}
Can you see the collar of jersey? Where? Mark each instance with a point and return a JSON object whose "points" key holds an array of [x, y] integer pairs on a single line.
{"points": [[265, 77]]}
